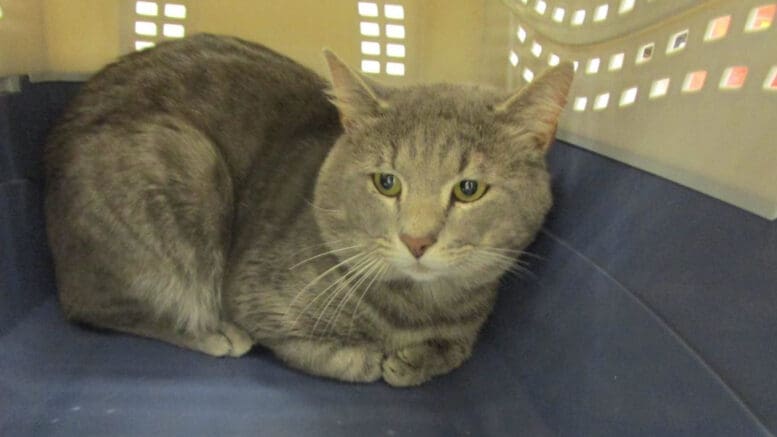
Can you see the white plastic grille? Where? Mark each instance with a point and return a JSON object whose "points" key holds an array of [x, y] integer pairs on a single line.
{"points": [[155, 21], [657, 80], [383, 32]]}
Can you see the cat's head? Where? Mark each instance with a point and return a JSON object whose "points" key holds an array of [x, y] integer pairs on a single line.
{"points": [[437, 182]]}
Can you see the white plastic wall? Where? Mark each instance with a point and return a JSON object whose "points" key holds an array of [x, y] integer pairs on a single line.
{"points": [[697, 110], [685, 88]]}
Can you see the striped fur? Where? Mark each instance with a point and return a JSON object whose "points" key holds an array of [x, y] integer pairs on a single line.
{"points": [[214, 194]]}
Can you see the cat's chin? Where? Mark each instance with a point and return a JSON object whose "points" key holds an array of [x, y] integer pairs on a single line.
{"points": [[421, 273], [422, 277]]}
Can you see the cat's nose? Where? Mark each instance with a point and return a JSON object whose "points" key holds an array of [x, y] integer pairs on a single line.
{"points": [[417, 245]]}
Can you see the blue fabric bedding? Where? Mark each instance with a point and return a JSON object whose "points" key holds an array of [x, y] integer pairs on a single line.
{"points": [[651, 309]]}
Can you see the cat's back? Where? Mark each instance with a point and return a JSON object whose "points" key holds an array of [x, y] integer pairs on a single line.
{"points": [[150, 171], [195, 69], [241, 95]]}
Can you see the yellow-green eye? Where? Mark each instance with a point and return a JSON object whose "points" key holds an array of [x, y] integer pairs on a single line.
{"points": [[469, 190], [387, 184]]}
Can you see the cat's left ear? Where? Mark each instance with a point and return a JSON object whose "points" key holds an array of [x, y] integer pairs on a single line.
{"points": [[535, 109], [354, 97]]}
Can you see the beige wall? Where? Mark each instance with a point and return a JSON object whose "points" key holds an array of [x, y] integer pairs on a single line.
{"points": [[80, 35], [298, 29], [57, 35], [462, 41], [22, 44], [441, 47], [84, 35], [450, 41]]}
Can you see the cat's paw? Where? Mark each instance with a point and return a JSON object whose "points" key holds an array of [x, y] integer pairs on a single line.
{"points": [[346, 362], [228, 340], [417, 364], [401, 373], [239, 340], [355, 364]]}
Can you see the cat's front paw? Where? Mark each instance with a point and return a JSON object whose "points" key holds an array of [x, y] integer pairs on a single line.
{"points": [[417, 364], [353, 363], [401, 373], [239, 340], [228, 340]]}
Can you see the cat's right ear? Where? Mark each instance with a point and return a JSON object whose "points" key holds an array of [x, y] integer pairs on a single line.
{"points": [[535, 109], [354, 97]]}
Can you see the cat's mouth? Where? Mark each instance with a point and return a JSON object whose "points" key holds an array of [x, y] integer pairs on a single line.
{"points": [[420, 272]]}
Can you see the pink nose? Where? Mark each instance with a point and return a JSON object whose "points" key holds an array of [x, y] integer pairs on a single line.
{"points": [[417, 245]]}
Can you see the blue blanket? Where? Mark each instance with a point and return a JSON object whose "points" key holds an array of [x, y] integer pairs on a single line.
{"points": [[651, 310]]}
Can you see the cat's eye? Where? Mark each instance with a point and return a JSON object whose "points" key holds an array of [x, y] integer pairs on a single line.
{"points": [[469, 190], [387, 184]]}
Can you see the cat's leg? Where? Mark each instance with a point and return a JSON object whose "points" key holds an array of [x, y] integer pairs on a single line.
{"points": [[139, 228], [225, 340], [346, 362], [97, 306], [416, 364]]}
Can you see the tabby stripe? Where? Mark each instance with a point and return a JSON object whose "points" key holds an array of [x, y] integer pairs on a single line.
{"points": [[477, 310]]}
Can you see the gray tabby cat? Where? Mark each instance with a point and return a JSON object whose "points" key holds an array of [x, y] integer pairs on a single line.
{"points": [[209, 194]]}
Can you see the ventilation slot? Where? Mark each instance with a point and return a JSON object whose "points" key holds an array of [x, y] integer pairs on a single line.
{"points": [[382, 31], [733, 78], [157, 21], [694, 82]]}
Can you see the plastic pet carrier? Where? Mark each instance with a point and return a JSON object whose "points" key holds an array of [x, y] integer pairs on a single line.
{"points": [[651, 308]]}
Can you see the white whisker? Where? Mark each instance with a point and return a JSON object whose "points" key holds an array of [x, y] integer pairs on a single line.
{"points": [[332, 323], [507, 263], [325, 243], [318, 207], [329, 252], [488, 259], [518, 253], [317, 278], [353, 274], [333, 268], [318, 295], [380, 273], [512, 259]]}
